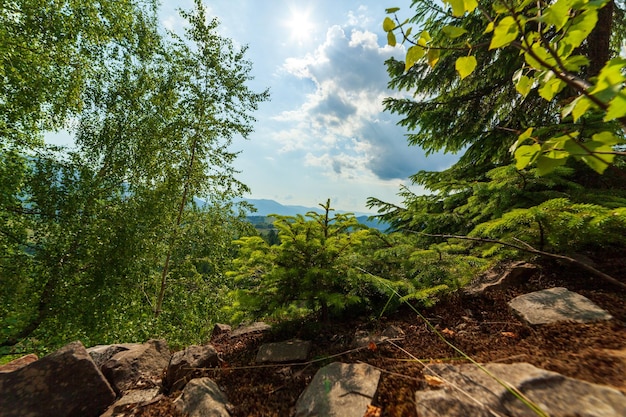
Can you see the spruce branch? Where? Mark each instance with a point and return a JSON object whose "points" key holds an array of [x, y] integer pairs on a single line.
{"points": [[525, 247]]}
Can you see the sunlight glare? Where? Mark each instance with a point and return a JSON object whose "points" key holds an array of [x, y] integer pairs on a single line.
{"points": [[300, 25]]}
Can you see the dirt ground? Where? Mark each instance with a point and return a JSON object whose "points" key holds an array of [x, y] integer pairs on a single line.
{"points": [[481, 326]]}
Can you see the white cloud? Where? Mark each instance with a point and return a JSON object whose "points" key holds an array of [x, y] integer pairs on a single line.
{"points": [[341, 124]]}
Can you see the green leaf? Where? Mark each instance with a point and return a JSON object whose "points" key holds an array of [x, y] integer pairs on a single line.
{"points": [[458, 7], [557, 14], [465, 65], [499, 7], [574, 63], [617, 107], [580, 28], [504, 33], [524, 85], [489, 28], [388, 24], [392, 10], [453, 32], [526, 155], [549, 162], [414, 54], [569, 107], [551, 88], [599, 162], [607, 139], [408, 32], [433, 57], [391, 39], [582, 105], [470, 5], [521, 139], [543, 56]]}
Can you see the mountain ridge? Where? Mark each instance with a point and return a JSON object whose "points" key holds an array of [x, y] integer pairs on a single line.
{"points": [[266, 207]]}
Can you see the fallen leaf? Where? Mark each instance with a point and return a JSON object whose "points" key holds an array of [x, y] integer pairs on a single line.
{"points": [[448, 332], [372, 346], [373, 411], [433, 381], [509, 334]]}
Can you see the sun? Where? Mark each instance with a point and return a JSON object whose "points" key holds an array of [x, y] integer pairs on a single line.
{"points": [[300, 25]]}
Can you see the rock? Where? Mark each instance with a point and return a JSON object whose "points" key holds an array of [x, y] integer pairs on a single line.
{"points": [[557, 304], [468, 391], [514, 274], [102, 353], [393, 332], [294, 350], [18, 363], [131, 400], [339, 389], [140, 366], [220, 329], [65, 383], [256, 327], [203, 398], [363, 338], [182, 364]]}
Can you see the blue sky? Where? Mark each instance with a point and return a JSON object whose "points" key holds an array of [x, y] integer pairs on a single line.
{"points": [[323, 133]]}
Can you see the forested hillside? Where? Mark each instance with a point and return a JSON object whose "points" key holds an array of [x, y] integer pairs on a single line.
{"points": [[106, 242]]}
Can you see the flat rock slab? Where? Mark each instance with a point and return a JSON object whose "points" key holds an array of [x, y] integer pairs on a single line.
{"points": [[339, 390], [293, 350], [138, 367], [203, 398], [255, 327], [465, 390], [557, 304], [130, 401], [183, 365], [102, 353], [65, 383]]}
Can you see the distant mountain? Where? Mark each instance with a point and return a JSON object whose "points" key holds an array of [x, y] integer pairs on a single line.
{"points": [[266, 207]]}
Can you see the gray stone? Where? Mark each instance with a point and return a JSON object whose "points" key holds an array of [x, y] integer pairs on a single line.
{"points": [[363, 338], [339, 389], [18, 363], [256, 327], [203, 398], [141, 366], [468, 391], [294, 350], [65, 383], [557, 304], [131, 400], [183, 364], [102, 353]]}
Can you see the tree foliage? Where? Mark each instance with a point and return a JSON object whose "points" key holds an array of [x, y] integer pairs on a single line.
{"points": [[478, 89], [554, 51], [310, 268], [99, 237]]}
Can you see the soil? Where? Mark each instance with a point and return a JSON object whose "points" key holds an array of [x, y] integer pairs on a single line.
{"points": [[481, 326]]}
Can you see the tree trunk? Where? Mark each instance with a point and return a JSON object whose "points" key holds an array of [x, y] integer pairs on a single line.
{"points": [[599, 40]]}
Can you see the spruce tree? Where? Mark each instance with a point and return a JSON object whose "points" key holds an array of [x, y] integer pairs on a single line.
{"points": [[480, 117]]}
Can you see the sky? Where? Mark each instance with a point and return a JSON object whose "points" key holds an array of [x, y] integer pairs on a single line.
{"points": [[323, 134]]}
